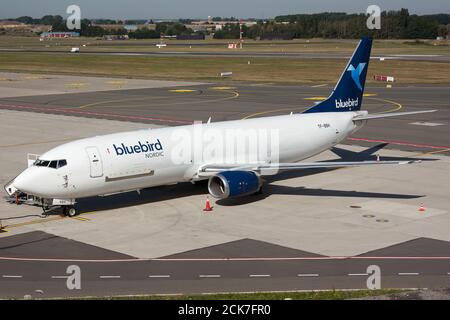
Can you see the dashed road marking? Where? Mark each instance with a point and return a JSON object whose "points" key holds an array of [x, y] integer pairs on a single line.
{"points": [[159, 276], [261, 84], [60, 277], [222, 88], [76, 84], [118, 83], [33, 77], [210, 276], [259, 275], [11, 276], [182, 90], [315, 98], [308, 275], [358, 274], [109, 277], [427, 124], [408, 273]]}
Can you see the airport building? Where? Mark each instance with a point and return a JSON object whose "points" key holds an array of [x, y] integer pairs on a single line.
{"points": [[50, 35]]}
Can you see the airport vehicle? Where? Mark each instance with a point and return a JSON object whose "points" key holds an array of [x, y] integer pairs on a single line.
{"points": [[136, 160], [75, 50]]}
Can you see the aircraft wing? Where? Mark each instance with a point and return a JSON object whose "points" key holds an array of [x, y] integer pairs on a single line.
{"points": [[388, 114], [295, 166]]}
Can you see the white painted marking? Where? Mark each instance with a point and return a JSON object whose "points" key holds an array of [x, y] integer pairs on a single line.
{"points": [[11, 276], [358, 274], [159, 276], [259, 275], [408, 273], [109, 277], [308, 275], [380, 58], [60, 277], [210, 276], [319, 85], [427, 124], [416, 55]]}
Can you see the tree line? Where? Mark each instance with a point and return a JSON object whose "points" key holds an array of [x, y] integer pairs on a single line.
{"points": [[394, 25]]}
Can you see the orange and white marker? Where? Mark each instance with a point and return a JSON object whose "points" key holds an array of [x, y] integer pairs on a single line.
{"points": [[422, 208], [207, 205]]}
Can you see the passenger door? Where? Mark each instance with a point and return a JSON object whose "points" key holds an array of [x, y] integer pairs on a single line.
{"points": [[95, 161]]}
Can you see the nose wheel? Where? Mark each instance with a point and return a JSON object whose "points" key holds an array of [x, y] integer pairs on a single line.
{"points": [[70, 211]]}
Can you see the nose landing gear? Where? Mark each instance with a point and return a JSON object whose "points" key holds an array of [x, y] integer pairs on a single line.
{"points": [[70, 211]]}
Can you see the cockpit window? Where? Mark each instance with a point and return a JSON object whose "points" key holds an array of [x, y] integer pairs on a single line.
{"points": [[45, 163], [61, 163], [55, 164], [41, 163]]}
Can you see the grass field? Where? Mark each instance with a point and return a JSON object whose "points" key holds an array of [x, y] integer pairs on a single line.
{"points": [[208, 68], [313, 295]]}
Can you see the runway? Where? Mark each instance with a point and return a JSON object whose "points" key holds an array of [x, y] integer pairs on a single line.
{"points": [[291, 55], [309, 231]]}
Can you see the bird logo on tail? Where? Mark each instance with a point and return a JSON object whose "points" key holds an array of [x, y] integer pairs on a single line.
{"points": [[356, 73]]}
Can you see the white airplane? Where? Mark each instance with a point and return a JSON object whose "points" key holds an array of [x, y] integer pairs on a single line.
{"points": [[136, 160]]}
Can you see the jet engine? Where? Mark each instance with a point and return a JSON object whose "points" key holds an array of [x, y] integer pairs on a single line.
{"points": [[230, 184]]}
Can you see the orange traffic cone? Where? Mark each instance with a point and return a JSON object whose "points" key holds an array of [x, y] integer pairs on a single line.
{"points": [[422, 208], [208, 205]]}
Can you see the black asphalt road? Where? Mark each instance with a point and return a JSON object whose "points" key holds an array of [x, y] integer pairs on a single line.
{"points": [[239, 266], [163, 107]]}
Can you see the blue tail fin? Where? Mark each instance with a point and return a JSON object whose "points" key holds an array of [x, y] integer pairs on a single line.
{"points": [[348, 93]]}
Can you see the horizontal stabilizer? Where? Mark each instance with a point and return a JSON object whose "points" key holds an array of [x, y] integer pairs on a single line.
{"points": [[388, 114]]}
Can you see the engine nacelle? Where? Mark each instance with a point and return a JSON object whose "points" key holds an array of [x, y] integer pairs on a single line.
{"points": [[229, 184]]}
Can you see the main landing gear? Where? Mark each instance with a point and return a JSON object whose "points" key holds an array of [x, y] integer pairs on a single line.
{"points": [[70, 211]]}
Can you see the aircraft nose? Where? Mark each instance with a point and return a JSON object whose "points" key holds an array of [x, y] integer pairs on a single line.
{"points": [[26, 182]]}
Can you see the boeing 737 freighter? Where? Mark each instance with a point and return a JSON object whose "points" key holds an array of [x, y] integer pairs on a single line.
{"points": [[136, 160]]}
